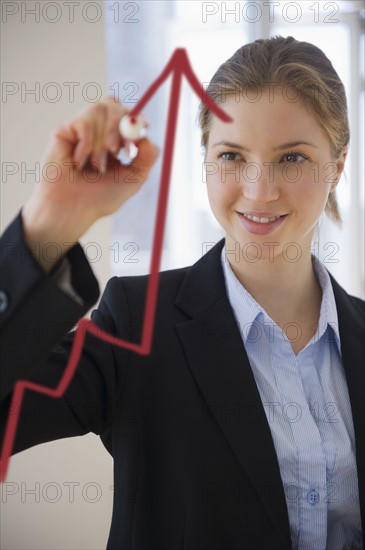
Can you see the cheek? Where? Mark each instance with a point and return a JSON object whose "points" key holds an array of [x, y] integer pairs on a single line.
{"points": [[214, 194], [309, 198], [221, 191], [316, 188]]}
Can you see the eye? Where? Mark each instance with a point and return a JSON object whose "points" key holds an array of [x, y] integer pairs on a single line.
{"points": [[293, 157], [230, 156]]}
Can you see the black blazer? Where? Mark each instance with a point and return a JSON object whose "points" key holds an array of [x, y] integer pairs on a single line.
{"points": [[194, 462]]}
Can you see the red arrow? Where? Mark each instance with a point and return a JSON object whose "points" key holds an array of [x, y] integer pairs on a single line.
{"points": [[179, 66]]}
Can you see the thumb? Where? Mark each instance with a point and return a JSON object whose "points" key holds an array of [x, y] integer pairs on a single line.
{"points": [[146, 158]]}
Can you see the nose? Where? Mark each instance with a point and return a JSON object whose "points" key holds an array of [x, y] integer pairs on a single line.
{"points": [[259, 182]]}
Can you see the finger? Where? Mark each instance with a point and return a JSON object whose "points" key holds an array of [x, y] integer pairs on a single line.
{"points": [[113, 140], [106, 117], [84, 133], [110, 138], [114, 112], [89, 136], [147, 154], [90, 130]]}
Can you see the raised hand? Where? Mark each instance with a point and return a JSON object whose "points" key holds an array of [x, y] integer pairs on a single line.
{"points": [[83, 180]]}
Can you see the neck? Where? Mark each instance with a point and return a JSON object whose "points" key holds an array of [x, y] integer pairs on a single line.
{"points": [[288, 291]]}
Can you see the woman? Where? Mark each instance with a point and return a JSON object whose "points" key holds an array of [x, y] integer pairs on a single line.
{"points": [[244, 426]]}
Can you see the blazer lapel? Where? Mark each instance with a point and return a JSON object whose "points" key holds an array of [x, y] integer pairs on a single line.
{"points": [[220, 366], [352, 334]]}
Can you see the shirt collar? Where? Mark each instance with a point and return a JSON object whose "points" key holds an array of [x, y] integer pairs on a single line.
{"points": [[247, 310]]}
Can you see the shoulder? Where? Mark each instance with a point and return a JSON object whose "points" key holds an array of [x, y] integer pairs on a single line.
{"points": [[205, 273], [204, 278], [347, 304], [130, 292], [168, 282], [183, 291]]}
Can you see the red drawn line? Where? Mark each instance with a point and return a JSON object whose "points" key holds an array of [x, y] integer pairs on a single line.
{"points": [[179, 66]]}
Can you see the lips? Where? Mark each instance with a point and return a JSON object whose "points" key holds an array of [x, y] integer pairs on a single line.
{"points": [[261, 219], [260, 223]]}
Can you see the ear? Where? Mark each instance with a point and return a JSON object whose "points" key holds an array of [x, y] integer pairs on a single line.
{"points": [[341, 162], [340, 165]]}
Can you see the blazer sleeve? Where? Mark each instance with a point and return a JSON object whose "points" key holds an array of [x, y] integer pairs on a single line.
{"points": [[35, 320]]}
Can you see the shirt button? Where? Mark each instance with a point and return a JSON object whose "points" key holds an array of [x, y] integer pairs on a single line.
{"points": [[313, 497], [4, 302]]}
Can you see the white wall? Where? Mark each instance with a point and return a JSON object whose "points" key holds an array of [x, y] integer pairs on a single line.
{"points": [[38, 51], [77, 473]]}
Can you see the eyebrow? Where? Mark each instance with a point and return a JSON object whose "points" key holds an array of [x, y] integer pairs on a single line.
{"points": [[280, 147]]}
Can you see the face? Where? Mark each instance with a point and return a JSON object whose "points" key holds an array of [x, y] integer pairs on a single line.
{"points": [[269, 174]]}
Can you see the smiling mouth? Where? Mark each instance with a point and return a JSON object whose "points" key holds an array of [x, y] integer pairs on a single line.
{"points": [[261, 220]]}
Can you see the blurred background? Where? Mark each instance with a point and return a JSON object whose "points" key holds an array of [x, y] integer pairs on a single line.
{"points": [[59, 56]]}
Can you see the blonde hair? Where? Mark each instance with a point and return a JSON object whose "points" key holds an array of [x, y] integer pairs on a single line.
{"points": [[290, 64]]}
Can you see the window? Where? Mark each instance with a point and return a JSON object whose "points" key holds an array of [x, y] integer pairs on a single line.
{"points": [[211, 32]]}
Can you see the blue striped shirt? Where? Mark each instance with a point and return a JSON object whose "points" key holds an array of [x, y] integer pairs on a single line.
{"points": [[308, 409]]}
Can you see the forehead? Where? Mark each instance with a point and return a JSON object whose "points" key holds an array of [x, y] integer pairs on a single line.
{"points": [[271, 115]]}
